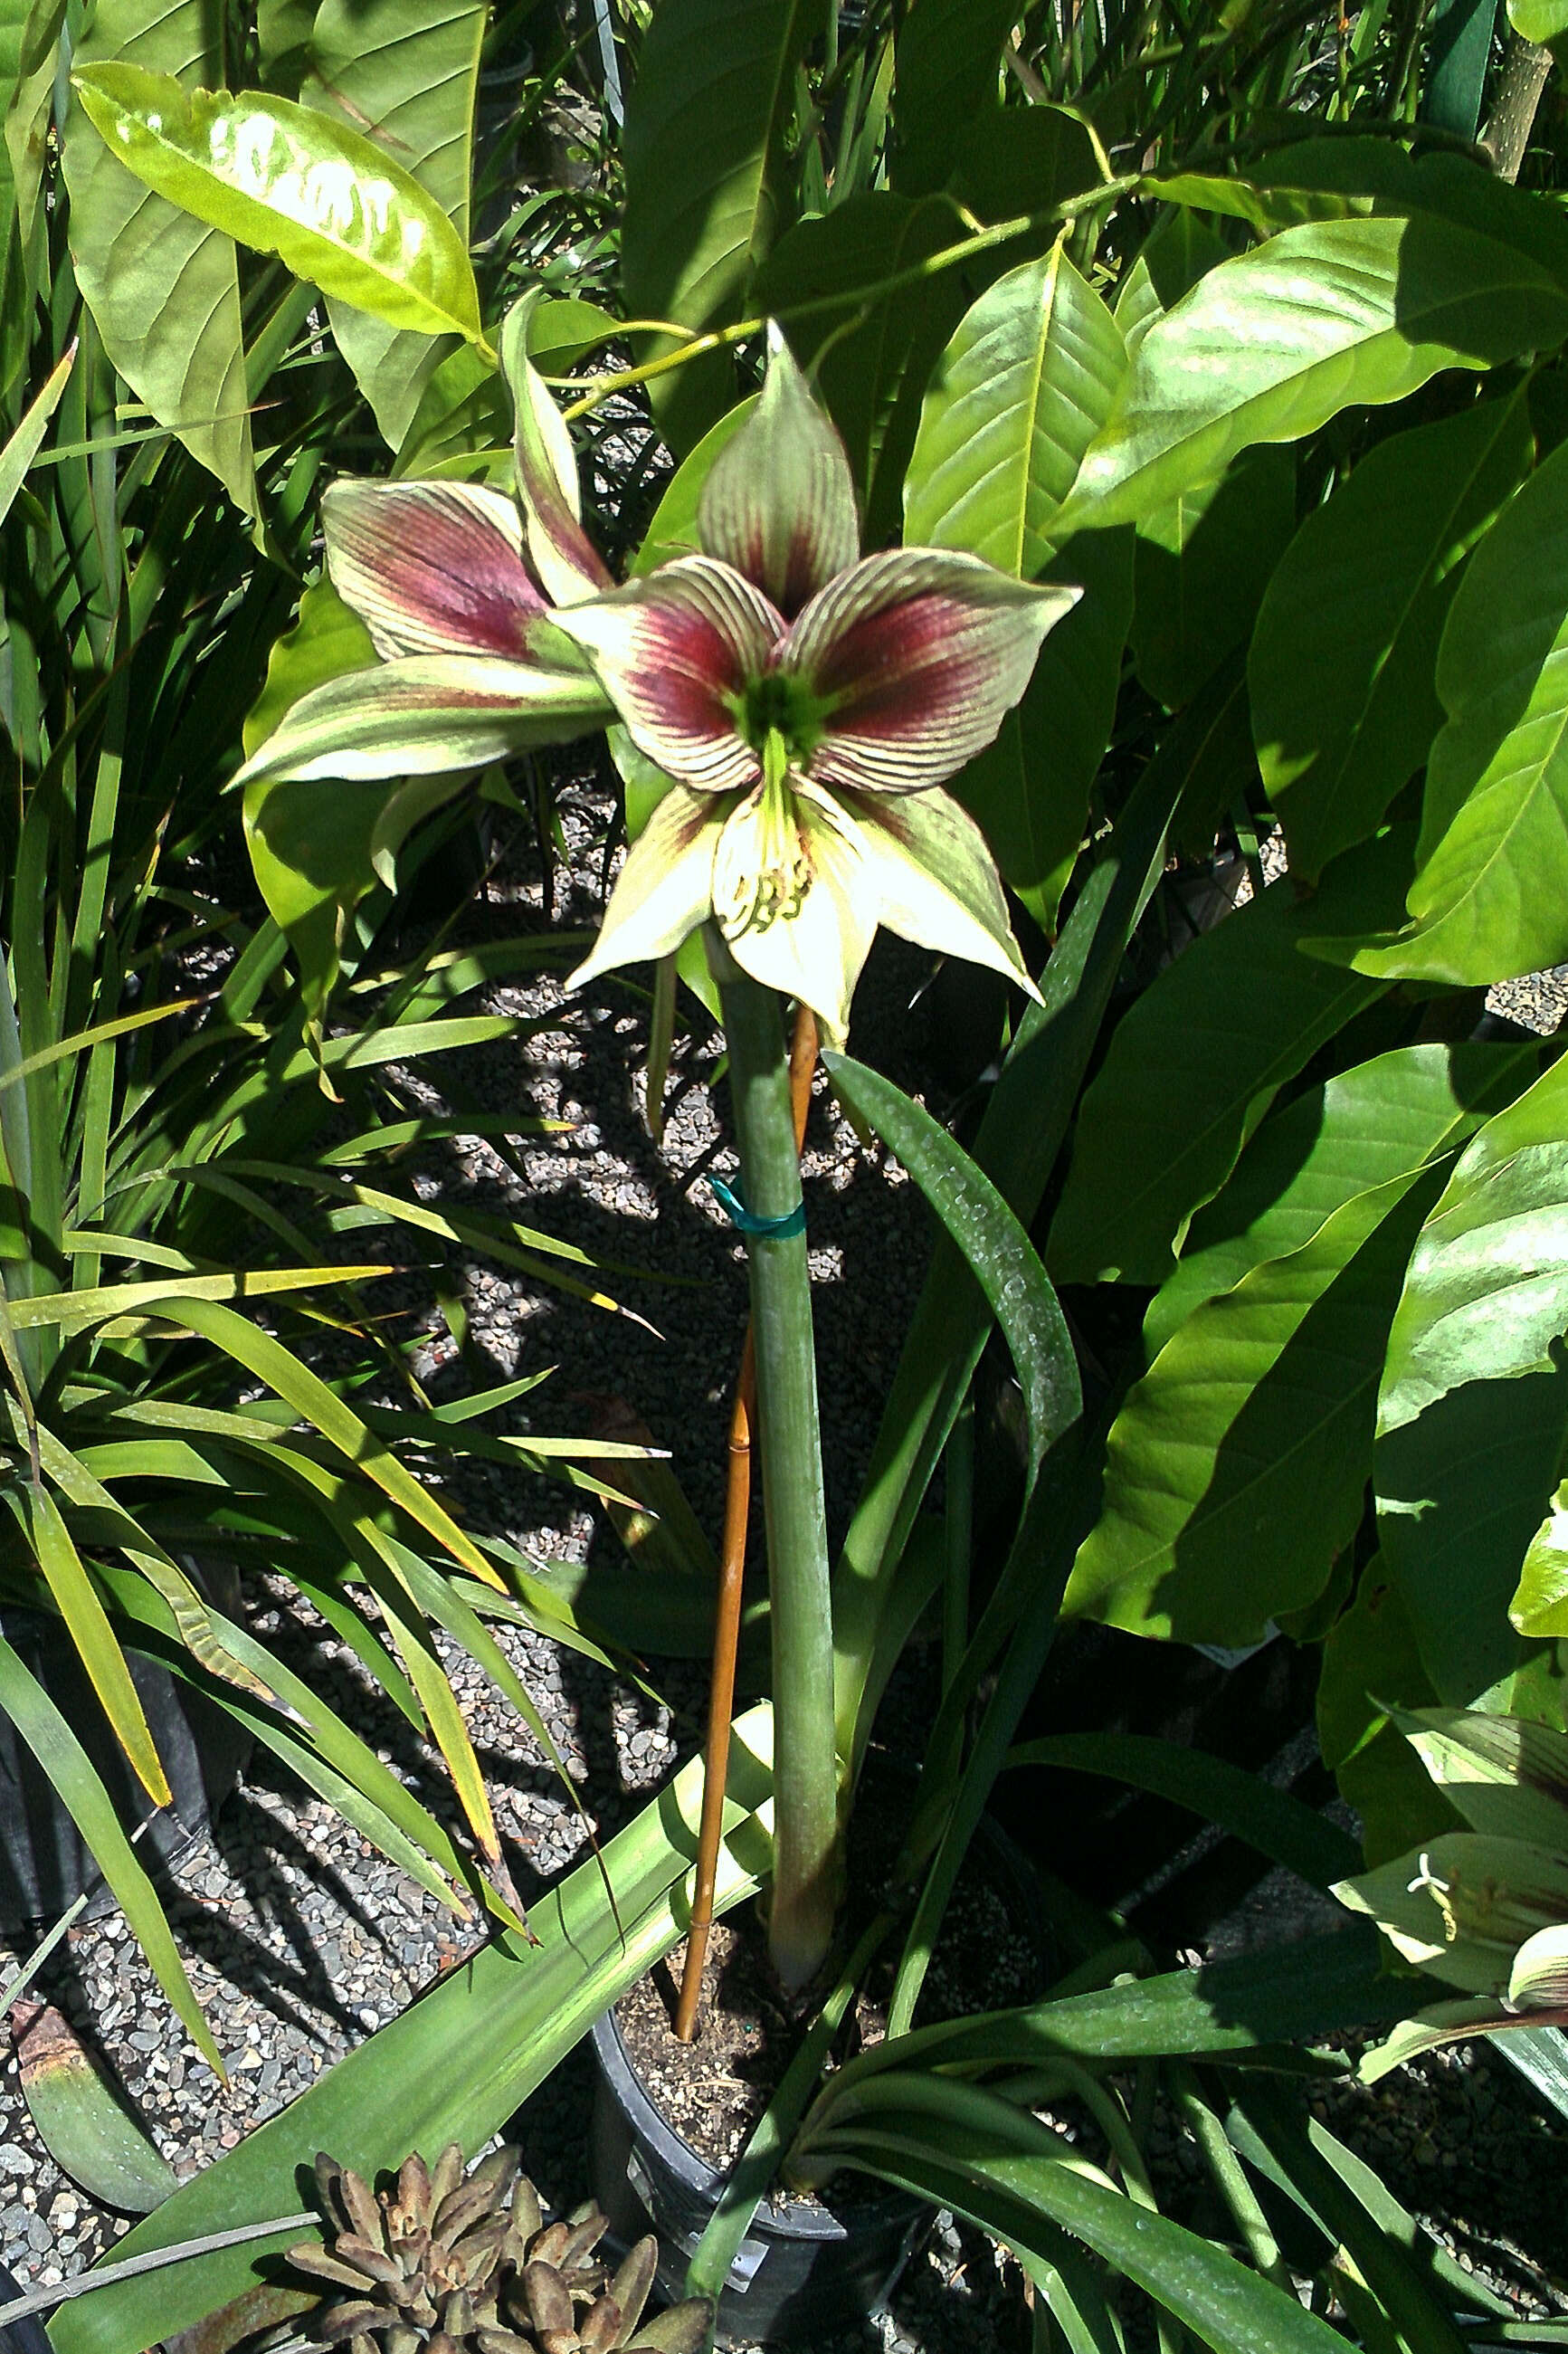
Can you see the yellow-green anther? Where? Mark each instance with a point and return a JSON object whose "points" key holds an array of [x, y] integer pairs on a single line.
{"points": [[775, 879]]}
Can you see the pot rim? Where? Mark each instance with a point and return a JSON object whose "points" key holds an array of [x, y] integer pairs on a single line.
{"points": [[802, 2218]]}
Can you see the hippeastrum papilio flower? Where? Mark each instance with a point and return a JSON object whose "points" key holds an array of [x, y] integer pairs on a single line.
{"points": [[810, 705], [458, 585]]}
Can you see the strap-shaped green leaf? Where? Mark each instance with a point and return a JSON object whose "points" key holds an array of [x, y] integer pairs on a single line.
{"points": [[289, 181], [523, 2010], [88, 1803], [76, 1598]]}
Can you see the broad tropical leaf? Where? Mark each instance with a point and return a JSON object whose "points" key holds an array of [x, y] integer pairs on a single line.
{"points": [[948, 61], [1191, 1072], [1015, 400], [1343, 668], [1030, 791], [1487, 1296], [1236, 1468], [409, 81], [287, 181], [707, 123], [1273, 342], [163, 283], [1380, 1121], [1202, 565], [875, 355], [1488, 900]]}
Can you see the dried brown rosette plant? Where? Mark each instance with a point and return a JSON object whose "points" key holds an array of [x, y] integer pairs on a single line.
{"points": [[444, 2262]]}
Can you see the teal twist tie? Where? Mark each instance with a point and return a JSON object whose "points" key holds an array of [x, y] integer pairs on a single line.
{"points": [[770, 1229]]}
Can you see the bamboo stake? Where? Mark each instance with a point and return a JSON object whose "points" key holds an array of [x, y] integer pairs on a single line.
{"points": [[726, 1613]]}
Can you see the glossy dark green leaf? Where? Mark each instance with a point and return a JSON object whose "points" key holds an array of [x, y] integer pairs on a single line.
{"points": [[1343, 668], [1201, 566], [1371, 1661], [1030, 790], [163, 284], [707, 127], [948, 63], [993, 1243], [1385, 177], [1491, 893], [1192, 1070], [1273, 342], [1014, 402], [1487, 1296], [1378, 1121], [673, 530], [287, 181], [408, 79], [1237, 1466], [1462, 1490]]}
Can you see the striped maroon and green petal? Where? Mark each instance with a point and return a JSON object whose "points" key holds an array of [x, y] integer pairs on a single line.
{"points": [[423, 714], [916, 656], [676, 652], [778, 504], [432, 568]]}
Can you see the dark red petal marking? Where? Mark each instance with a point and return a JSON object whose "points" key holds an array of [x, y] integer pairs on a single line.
{"points": [[428, 569], [675, 651], [916, 655]]}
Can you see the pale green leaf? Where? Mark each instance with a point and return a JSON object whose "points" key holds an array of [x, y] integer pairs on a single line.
{"points": [[163, 283], [286, 180], [1272, 343], [1015, 400]]}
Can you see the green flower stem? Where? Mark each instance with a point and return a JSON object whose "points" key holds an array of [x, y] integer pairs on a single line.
{"points": [[789, 1450]]}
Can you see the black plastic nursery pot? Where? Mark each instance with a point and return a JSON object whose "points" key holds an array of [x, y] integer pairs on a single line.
{"points": [[26, 2334], [802, 2272], [45, 1864]]}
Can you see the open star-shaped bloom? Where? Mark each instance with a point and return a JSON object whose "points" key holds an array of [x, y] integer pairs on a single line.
{"points": [[458, 585], [809, 704]]}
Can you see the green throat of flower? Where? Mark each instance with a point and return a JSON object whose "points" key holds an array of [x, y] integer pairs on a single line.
{"points": [[772, 880]]}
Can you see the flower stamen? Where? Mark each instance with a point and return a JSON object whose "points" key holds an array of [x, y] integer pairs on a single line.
{"points": [[772, 883]]}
